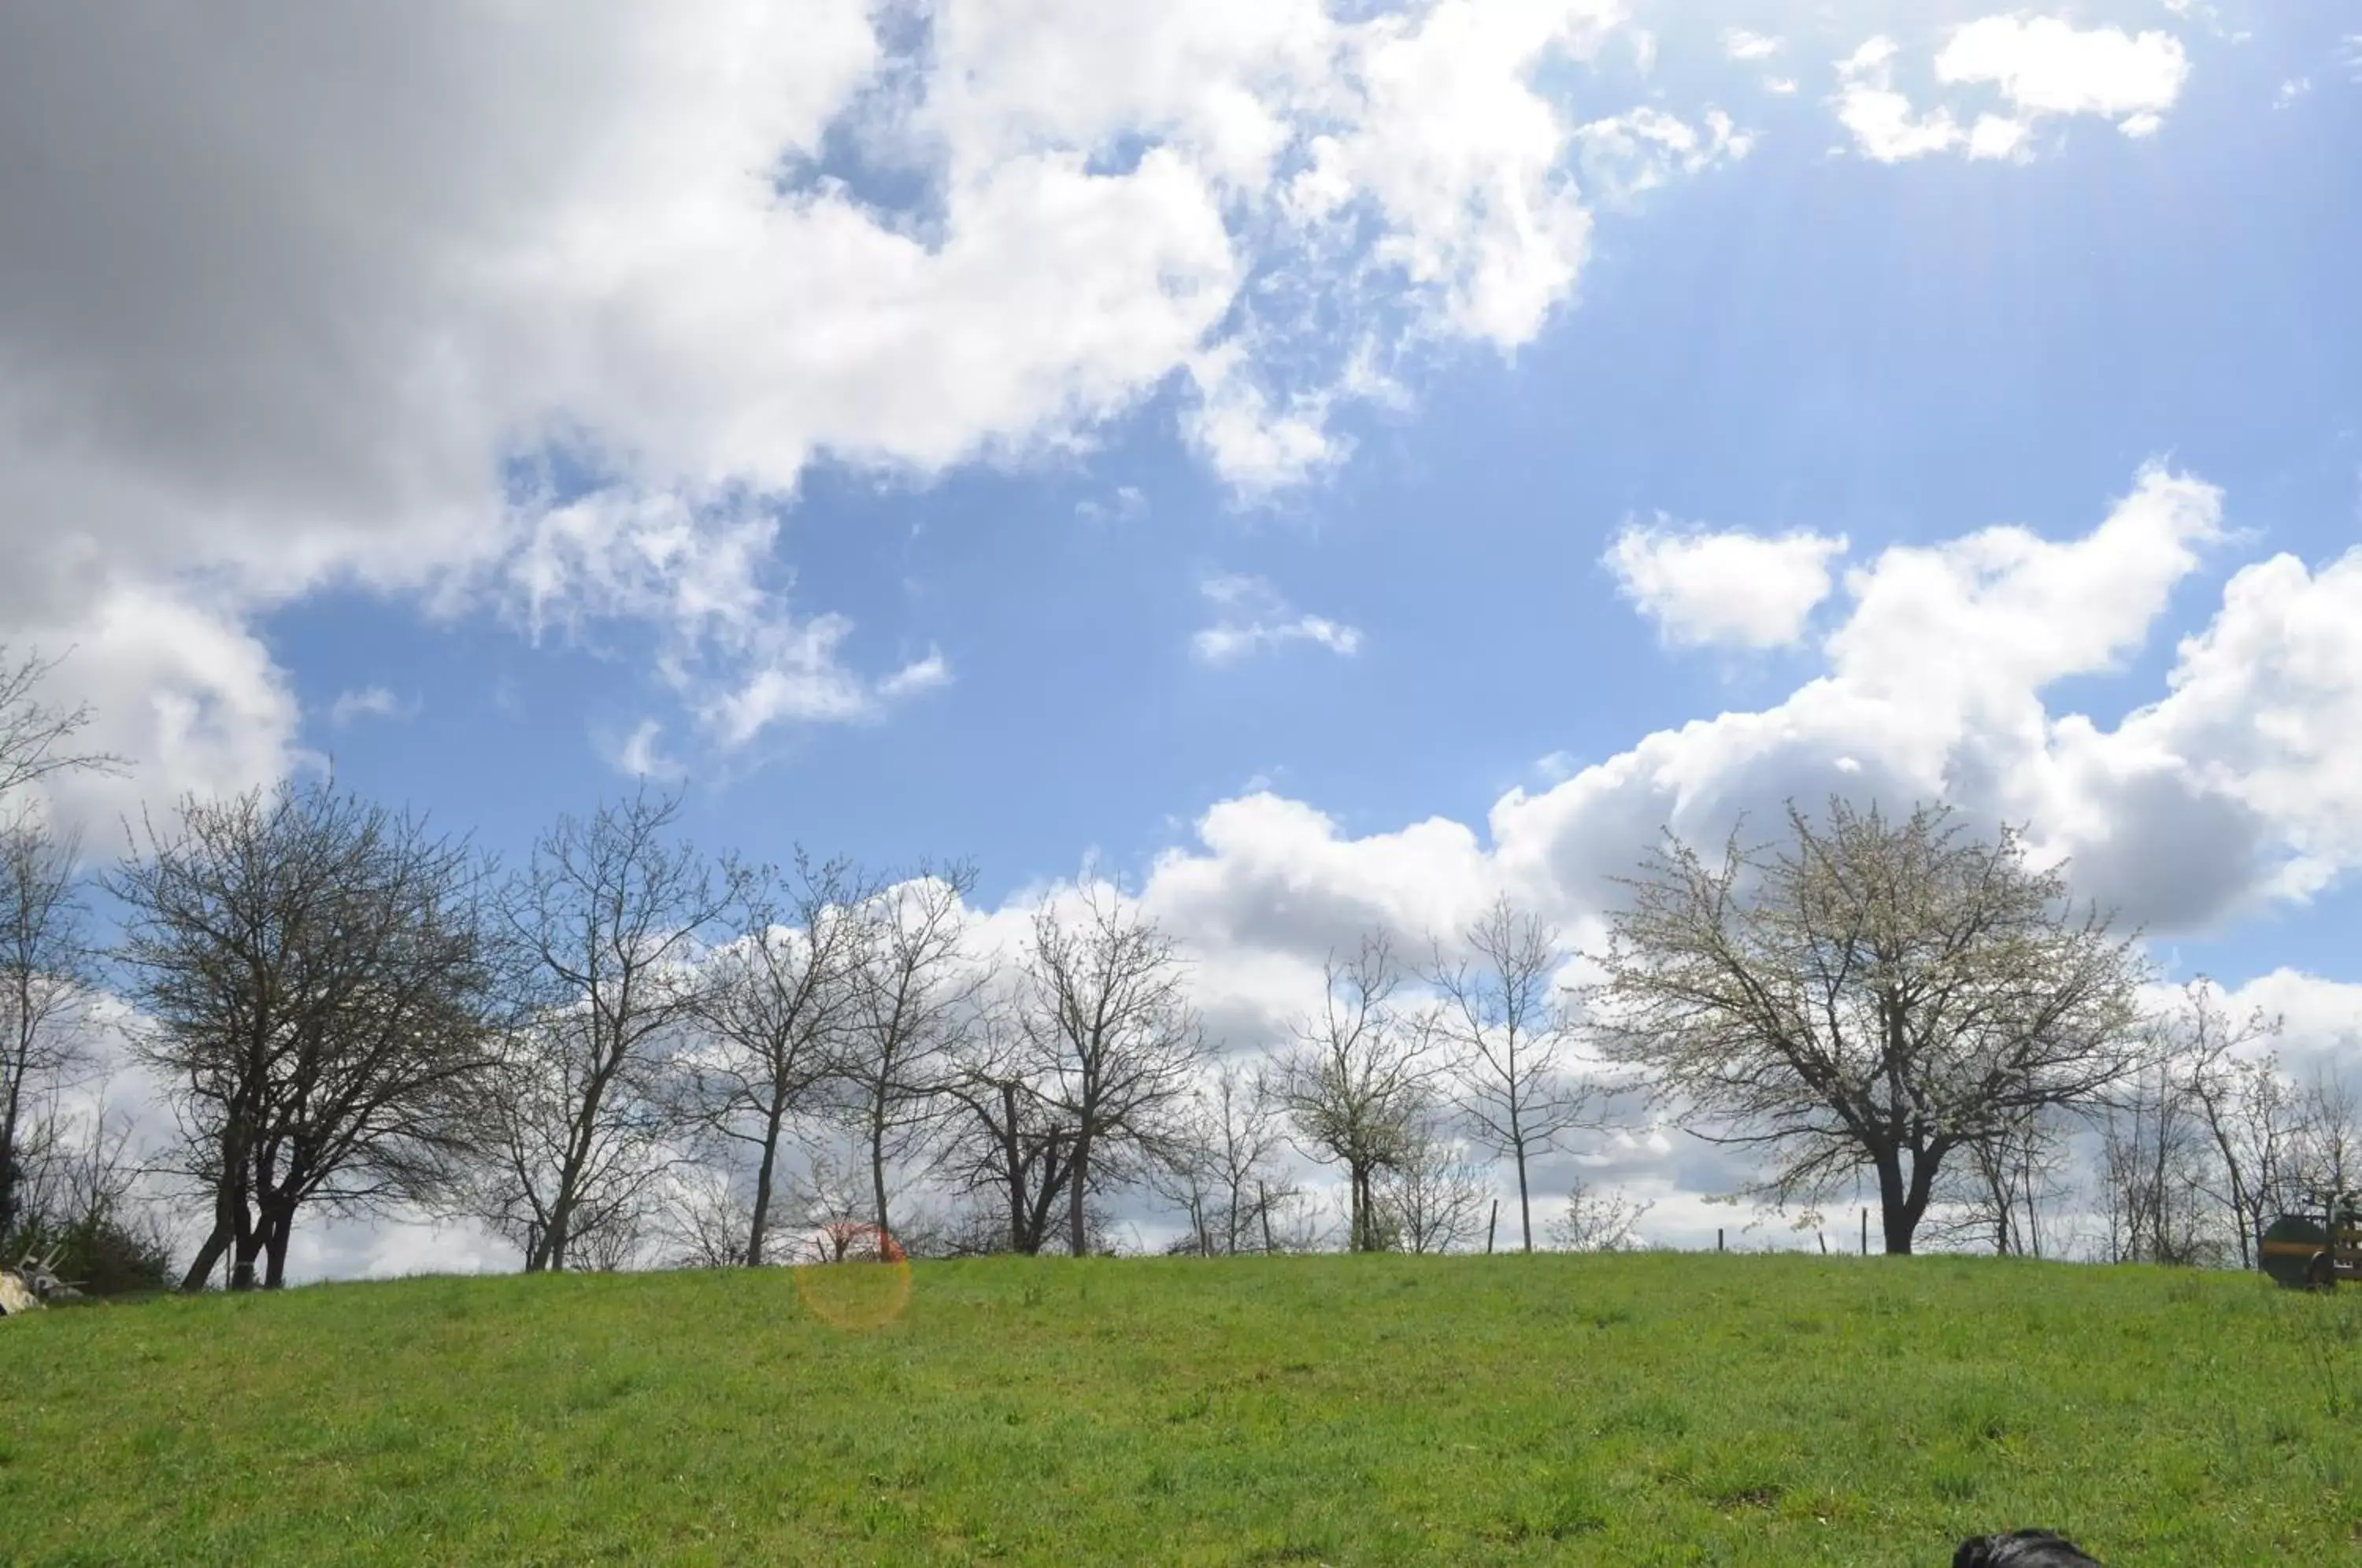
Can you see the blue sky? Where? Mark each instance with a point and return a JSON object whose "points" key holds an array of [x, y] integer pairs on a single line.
{"points": [[1062, 338]]}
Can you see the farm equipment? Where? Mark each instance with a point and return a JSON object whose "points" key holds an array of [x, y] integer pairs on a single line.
{"points": [[2315, 1251], [33, 1284]]}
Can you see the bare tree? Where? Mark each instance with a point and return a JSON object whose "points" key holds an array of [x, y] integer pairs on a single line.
{"points": [[2154, 1155], [2329, 1147], [36, 737], [1596, 1221], [914, 992], [2241, 1099], [45, 969], [45, 979], [1102, 1011], [1432, 1197], [608, 921], [1507, 1037], [1878, 997], [316, 979], [2000, 1186], [707, 1221], [1357, 1080], [1011, 1142], [80, 1200], [776, 1005], [1222, 1165]]}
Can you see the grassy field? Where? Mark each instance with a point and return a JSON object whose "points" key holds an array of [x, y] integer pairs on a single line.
{"points": [[1648, 1409]]}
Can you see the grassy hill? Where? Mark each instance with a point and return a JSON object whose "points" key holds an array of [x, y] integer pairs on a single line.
{"points": [[1659, 1409]]}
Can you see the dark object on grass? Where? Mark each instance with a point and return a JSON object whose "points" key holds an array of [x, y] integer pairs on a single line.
{"points": [[2020, 1549], [2314, 1250]]}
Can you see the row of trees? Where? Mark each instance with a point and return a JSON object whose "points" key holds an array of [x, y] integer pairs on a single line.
{"points": [[349, 1014], [353, 1014], [625, 1047]]}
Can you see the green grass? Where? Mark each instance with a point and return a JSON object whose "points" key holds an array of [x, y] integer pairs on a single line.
{"points": [[1650, 1409]]}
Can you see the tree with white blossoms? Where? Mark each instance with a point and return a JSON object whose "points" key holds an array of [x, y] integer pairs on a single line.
{"points": [[1879, 995]]}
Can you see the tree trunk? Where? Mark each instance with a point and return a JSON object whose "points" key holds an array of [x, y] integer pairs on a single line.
{"points": [[1078, 1170], [761, 1220], [208, 1258], [8, 1114], [242, 1265], [1897, 1213], [277, 1231], [553, 1235], [877, 1173], [1525, 1208]]}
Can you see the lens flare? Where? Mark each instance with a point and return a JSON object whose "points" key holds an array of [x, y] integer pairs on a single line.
{"points": [[862, 1280]]}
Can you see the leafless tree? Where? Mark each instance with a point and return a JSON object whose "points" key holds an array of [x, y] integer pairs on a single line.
{"points": [[45, 960], [1357, 1080], [1998, 1188], [618, 1243], [913, 990], [2153, 1158], [1222, 1165], [1508, 1038], [46, 981], [1103, 1013], [80, 1201], [1010, 1143], [36, 737], [314, 976], [1596, 1221], [708, 1220], [777, 1004], [1876, 997], [2242, 1100], [607, 922], [2329, 1146], [1432, 1197]]}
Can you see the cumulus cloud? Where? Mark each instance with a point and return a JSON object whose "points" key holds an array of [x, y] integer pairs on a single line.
{"points": [[1735, 588], [2040, 68], [2045, 66], [529, 305], [1936, 666], [1252, 617]]}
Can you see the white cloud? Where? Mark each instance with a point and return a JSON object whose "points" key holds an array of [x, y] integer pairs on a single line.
{"points": [[1740, 44], [2227, 790], [1885, 125], [2295, 88], [2040, 67], [1252, 617], [370, 702], [2045, 66], [685, 249], [639, 756], [1641, 149], [1730, 587]]}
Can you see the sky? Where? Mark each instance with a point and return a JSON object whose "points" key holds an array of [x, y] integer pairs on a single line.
{"points": [[1326, 463]]}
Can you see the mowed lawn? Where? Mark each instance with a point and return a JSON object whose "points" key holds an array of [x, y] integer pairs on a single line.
{"points": [[1660, 1408]]}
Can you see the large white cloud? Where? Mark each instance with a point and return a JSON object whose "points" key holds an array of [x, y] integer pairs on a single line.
{"points": [[2221, 792], [292, 301]]}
